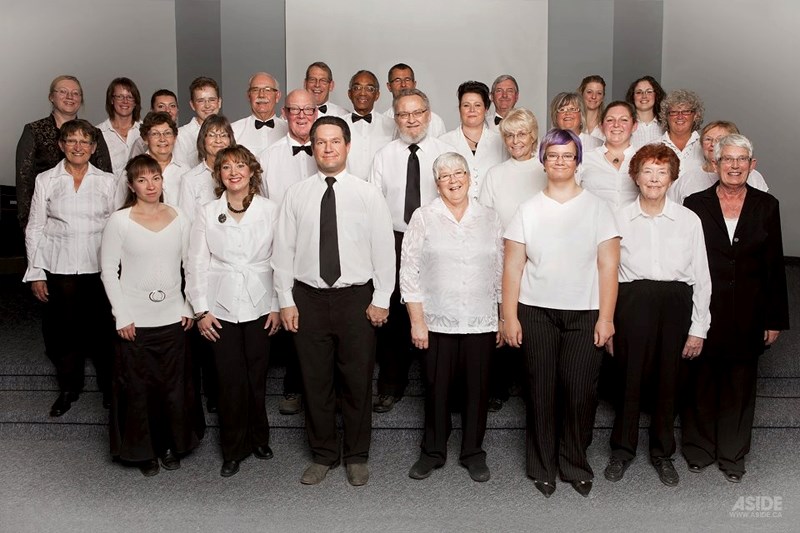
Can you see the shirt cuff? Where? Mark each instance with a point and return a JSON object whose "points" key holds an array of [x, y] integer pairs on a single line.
{"points": [[697, 330], [381, 299], [200, 305], [34, 274], [286, 299]]}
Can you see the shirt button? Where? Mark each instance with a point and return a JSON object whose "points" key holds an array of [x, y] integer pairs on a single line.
{"points": [[736, 239]]}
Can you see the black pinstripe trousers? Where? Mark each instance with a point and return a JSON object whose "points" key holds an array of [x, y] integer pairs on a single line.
{"points": [[563, 367]]}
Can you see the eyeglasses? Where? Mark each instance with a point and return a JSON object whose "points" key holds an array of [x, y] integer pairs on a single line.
{"points": [[397, 81], [521, 135], [711, 140], [566, 110], [646, 92], [457, 175], [553, 157], [217, 135], [259, 90], [728, 160], [681, 112], [166, 134], [123, 97], [318, 81], [307, 111], [203, 101], [510, 92], [64, 93], [78, 142], [405, 115], [371, 89]]}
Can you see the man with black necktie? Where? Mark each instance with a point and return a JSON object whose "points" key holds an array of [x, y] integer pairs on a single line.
{"points": [[403, 171], [505, 93], [263, 127], [334, 274], [370, 131], [319, 82]]}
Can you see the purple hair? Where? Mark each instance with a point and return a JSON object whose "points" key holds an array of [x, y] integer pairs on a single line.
{"points": [[559, 138]]}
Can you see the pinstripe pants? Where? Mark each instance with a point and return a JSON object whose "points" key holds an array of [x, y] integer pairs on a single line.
{"points": [[563, 367]]}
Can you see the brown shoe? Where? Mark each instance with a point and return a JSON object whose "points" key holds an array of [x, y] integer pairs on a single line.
{"points": [[314, 474], [357, 474]]}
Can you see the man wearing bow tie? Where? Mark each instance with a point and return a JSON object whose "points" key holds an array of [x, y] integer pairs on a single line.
{"points": [[370, 131], [505, 93], [263, 127], [319, 82]]}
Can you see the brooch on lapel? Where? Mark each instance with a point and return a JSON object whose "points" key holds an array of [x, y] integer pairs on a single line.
{"points": [[222, 218]]}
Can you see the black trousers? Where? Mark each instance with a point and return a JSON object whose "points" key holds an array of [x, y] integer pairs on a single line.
{"points": [[241, 356], [717, 419], [395, 349], [504, 370], [336, 341], [204, 372], [451, 359], [563, 366], [76, 323], [283, 348], [652, 321]]}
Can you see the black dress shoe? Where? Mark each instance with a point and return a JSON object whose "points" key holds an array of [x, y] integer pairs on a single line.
{"points": [[63, 403], [495, 404], [733, 477], [170, 461], [582, 487], [696, 468], [263, 452], [544, 487], [211, 405], [149, 468], [616, 468], [666, 470], [229, 468], [478, 471], [423, 468]]}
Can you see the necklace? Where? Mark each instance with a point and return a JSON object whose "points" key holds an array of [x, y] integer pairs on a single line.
{"points": [[237, 211]]}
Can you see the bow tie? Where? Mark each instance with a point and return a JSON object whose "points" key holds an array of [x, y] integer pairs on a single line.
{"points": [[356, 117], [323, 108], [497, 120], [305, 148], [268, 123]]}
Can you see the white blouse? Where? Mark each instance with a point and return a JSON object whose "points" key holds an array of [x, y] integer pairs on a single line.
{"points": [[509, 184], [601, 178], [196, 190], [667, 247], [646, 133], [491, 151], [66, 226], [561, 242], [228, 272], [118, 148], [691, 157], [151, 270], [453, 268]]}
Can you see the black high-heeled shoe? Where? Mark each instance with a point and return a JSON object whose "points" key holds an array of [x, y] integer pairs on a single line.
{"points": [[544, 487], [582, 487]]}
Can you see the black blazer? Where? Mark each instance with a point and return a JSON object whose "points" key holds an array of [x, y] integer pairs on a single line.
{"points": [[748, 279]]}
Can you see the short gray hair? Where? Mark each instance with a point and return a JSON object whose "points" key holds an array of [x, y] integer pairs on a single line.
{"points": [[503, 77], [734, 139], [449, 160], [410, 92]]}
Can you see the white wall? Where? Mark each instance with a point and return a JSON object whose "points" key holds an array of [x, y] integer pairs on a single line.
{"points": [[741, 57], [95, 40]]}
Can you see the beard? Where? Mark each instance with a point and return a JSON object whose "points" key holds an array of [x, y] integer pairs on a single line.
{"points": [[412, 139]]}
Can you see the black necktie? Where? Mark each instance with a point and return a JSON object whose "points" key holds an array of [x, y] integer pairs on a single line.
{"points": [[329, 268], [268, 123], [323, 108], [412, 183], [357, 117], [305, 148], [497, 120]]}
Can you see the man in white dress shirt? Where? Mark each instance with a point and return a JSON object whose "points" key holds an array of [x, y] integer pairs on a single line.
{"points": [[401, 76], [319, 82], [334, 274], [263, 127], [205, 101], [370, 131], [505, 93], [403, 171]]}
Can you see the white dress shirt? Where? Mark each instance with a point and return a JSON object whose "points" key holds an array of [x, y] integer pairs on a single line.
{"points": [[509, 184], [281, 168], [491, 150], [589, 142], [185, 151], [436, 127], [647, 133], [388, 173], [667, 247], [691, 156], [118, 148], [151, 261], [599, 176], [257, 140], [364, 227], [229, 272], [65, 226], [490, 122], [196, 190], [453, 268], [561, 242], [366, 139], [699, 180], [332, 110]]}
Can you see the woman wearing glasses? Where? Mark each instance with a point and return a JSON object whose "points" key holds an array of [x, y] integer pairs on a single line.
{"points": [[38, 148], [646, 94], [682, 114], [453, 245], [568, 113], [559, 293], [69, 209], [121, 129], [159, 132], [749, 308]]}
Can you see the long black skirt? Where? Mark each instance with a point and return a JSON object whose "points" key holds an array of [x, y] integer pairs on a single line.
{"points": [[154, 405]]}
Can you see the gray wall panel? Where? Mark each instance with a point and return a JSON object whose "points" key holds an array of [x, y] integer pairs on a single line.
{"points": [[197, 33], [637, 43]]}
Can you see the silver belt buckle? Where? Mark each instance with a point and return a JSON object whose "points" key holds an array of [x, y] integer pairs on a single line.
{"points": [[157, 296]]}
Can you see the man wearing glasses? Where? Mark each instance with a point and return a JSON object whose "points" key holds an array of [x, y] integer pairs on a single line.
{"points": [[370, 131], [505, 93], [205, 101], [401, 76], [319, 82], [403, 170], [263, 127]]}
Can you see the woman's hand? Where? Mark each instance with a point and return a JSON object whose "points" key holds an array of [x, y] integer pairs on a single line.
{"points": [[770, 336], [187, 323], [128, 332], [419, 335], [604, 335], [208, 326], [692, 348], [512, 332], [39, 289], [273, 323]]}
